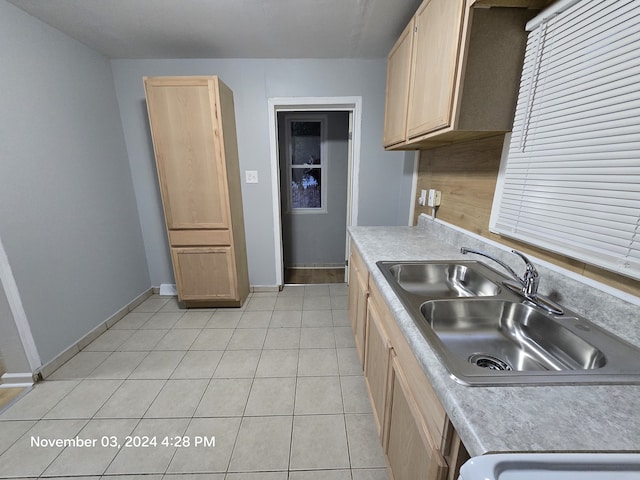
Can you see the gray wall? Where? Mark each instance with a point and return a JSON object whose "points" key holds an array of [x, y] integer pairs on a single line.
{"points": [[253, 82], [319, 238], [68, 216], [404, 193]]}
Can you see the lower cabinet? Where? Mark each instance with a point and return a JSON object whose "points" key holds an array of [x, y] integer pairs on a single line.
{"points": [[195, 267], [416, 434], [358, 294], [411, 452], [376, 366]]}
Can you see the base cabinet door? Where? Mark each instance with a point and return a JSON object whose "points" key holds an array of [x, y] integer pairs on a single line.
{"points": [[358, 294], [361, 315], [376, 366], [411, 452], [205, 273]]}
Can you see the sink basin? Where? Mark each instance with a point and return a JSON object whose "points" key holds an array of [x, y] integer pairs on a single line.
{"points": [[552, 466], [504, 335], [441, 280], [489, 335]]}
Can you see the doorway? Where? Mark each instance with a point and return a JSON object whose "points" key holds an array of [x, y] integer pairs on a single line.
{"points": [[315, 148]]}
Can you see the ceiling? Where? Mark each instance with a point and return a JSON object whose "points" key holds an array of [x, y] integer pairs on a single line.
{"points": [[229, 28]]}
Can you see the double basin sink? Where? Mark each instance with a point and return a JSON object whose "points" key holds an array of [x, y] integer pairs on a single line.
{"points": [[486, 334]]}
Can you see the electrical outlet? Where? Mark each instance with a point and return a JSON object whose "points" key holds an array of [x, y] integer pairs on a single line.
{"points": [[422, 199], [434, 198]]}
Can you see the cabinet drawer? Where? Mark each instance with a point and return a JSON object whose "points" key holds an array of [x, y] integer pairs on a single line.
{"points": [[188, 238]]}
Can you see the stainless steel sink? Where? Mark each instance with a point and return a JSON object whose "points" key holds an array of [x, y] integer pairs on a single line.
{"points": [[488, 335], [503, 335], [442, 280]]}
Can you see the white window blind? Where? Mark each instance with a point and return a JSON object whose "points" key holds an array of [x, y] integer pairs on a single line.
{"points": [[570, 182]]}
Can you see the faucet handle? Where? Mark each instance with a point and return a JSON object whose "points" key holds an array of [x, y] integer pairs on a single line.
{"points": [[531, 279], [529, 265]]}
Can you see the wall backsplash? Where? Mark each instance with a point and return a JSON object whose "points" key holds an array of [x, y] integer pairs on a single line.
{"points": [[466, 174]]}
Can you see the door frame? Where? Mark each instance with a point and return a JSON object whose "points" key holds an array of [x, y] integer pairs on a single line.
{"points": [[12, 294], [353, 105]]}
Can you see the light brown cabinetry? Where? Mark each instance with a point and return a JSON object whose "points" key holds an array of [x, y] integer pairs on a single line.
{"points": [[416, 433], [463, 77], [377, 361], [192, 124], [397, 91], [411, 451], [358, 294], [434, 60]]}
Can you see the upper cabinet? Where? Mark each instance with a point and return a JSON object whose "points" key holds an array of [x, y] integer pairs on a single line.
{"points": [[436, 41], [453, 74], [397, 94]]}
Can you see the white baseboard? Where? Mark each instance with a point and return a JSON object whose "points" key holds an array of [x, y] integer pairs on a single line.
{"points": [[319, 266], [168, 290], [47, 369], [264, 288], [14, 380]]}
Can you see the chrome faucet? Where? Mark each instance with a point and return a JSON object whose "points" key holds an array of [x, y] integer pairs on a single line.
{"points": [[527, 285], [529, 282]]}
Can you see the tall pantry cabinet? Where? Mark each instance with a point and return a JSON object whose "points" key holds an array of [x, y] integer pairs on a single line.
{"points": [[193, 128]]}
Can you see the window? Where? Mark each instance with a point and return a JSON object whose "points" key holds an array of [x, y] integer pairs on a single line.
{"points": [[570, 181], [306, 164]]}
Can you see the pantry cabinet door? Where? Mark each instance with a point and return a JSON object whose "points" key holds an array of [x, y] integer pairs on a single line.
{"points": [[189, 158], [205, 273]]}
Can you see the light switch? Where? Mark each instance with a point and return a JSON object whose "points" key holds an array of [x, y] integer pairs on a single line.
{"points": [[251, 176]]}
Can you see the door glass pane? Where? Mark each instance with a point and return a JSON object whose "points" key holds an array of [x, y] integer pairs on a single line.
{"points": [[306, 188], [305, 143]]}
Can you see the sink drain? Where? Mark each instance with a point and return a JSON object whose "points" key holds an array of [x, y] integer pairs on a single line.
{"points": [[485, 360]]}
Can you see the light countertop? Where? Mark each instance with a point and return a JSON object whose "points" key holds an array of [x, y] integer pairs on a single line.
{"points": [[505, 418]]}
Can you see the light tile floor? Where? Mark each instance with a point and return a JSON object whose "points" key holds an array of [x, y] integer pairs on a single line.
{"points": [[277, 383]]}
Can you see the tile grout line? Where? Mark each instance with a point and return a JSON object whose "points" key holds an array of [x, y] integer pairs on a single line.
{"points": [[210, 379], [242, 416], [142, 416]]}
